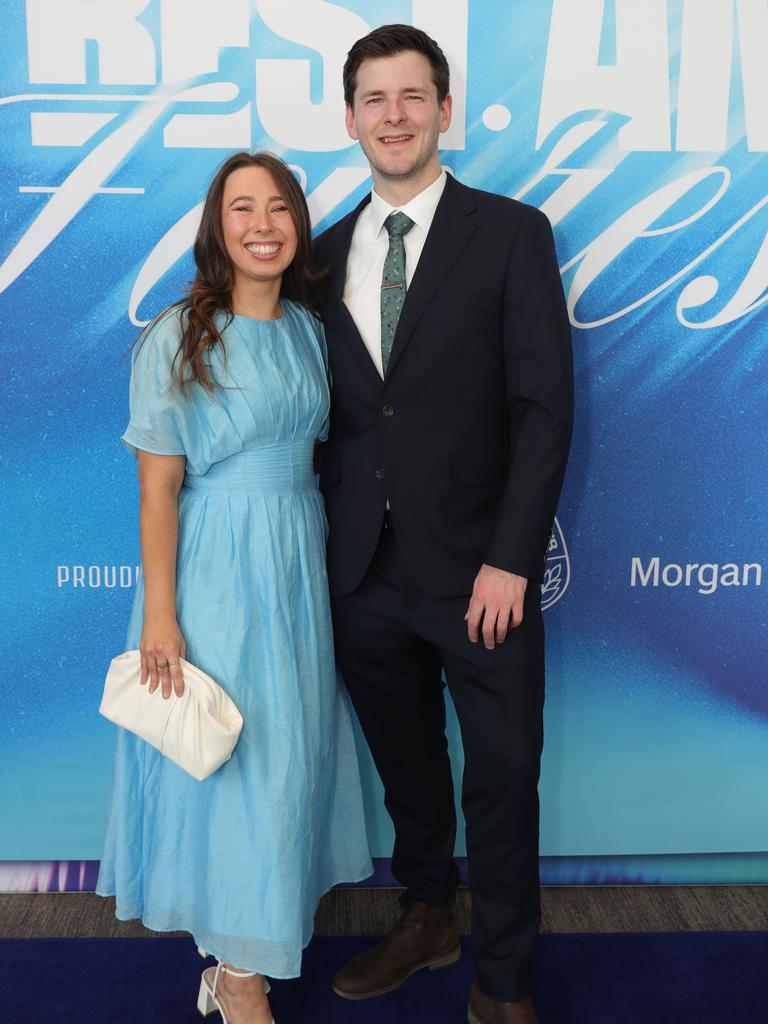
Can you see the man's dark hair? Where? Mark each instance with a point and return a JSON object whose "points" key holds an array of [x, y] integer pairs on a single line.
{"points": [[388, 40]]}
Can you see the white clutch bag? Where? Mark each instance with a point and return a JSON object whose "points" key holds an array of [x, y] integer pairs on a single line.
{"points": [[198, 731]]}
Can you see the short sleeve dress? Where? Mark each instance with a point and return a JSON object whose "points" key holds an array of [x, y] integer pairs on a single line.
{"points": [[241, 859]]}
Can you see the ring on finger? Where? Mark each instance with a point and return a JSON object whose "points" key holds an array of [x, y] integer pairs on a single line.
{"points": [[162, 666]]}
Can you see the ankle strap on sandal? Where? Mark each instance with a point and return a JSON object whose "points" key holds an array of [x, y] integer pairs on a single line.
{"points": [[228, 970], [235, 973], [220, 966]]}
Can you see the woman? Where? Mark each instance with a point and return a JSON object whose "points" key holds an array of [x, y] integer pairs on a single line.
{"points": [[228, 396]]}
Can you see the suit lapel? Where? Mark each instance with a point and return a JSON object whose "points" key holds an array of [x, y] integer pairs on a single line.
{"points": [[452, 227]]}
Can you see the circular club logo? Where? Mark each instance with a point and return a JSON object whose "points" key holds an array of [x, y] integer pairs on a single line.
{"points": [[557, 574]]}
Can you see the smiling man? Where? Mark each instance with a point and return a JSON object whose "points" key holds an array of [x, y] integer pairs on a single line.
{"points": [[449, 351]]}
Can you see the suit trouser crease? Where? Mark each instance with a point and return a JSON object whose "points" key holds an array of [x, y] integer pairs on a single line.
{"points": [[393, 641]]}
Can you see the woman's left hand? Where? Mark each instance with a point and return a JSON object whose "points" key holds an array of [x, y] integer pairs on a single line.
{"points": [[162, 647]]}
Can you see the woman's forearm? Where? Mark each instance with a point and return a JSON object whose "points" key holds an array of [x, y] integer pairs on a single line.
{"points": [[162, 644], [159, 526]]}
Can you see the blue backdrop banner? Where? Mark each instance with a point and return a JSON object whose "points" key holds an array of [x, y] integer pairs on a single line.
{"points": [[642, 131]]}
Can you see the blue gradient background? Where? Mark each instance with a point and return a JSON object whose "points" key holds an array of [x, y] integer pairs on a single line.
{"points": [[657, 732]]}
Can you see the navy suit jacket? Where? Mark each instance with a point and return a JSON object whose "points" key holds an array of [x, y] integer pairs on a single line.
{"points": [[467, 436]]}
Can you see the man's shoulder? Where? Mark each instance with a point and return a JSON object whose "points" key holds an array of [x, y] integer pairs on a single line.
{"points": [[494, 205], [329, 239]]}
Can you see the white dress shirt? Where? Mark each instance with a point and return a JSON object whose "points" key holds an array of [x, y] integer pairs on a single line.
{"points": [[365, 264]]}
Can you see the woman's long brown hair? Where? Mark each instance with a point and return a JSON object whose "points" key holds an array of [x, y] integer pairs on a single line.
{"points": [[211, 290]]}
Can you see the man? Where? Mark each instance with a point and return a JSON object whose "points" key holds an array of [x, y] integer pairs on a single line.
{"points": [[449, 352]]}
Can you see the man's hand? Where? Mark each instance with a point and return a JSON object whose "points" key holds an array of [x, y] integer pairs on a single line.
{"points": [[497, 602]]}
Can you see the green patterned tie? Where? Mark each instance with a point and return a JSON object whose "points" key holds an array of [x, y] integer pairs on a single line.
{"points": [[393, 281]]}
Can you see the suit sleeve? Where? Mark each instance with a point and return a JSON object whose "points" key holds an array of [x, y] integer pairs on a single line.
{"points": [[539, 383]]}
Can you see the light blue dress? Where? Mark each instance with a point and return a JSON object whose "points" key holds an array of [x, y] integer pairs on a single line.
{"points": [[241, 859]]}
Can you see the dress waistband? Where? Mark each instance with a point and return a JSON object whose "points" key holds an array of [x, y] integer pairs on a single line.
{"points": [[279, 469]]}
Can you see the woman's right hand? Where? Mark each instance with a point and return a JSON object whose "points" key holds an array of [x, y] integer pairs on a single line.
{"points": [[162, 645]]}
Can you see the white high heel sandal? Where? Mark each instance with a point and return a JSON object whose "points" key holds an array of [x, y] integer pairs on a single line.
{"points": [[206, 1000]]}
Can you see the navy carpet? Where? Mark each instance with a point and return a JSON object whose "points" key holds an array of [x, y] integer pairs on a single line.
{"points": [[680, 978]]}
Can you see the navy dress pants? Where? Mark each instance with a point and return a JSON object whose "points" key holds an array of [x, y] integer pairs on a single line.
{"points": [[393, 643]]}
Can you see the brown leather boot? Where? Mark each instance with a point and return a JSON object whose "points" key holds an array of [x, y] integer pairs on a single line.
{"points": [[484, 1010], [424, 936]]}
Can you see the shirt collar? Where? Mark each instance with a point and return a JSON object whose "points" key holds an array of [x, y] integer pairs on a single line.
{"points": [[421, 209]]}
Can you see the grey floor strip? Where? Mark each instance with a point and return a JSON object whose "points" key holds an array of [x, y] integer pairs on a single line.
{"points": [[371, 911]]}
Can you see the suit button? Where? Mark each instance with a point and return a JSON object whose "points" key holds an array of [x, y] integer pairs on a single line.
{"points": [[388, 411], [379, 474]]}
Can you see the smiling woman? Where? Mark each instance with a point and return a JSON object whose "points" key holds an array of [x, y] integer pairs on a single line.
{"points": [[229, 394], [260, 237], [254, 203]]}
